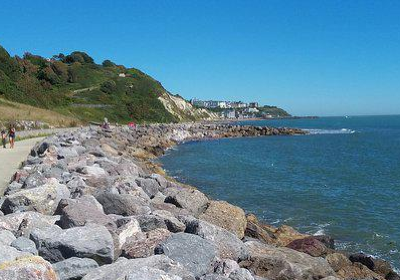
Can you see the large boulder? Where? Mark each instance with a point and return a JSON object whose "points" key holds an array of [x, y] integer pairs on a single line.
{"points": [[337, 261], [227, 216], [122, 268], [24, 244], [89, 241], [229, 245], [150, 222], [82, 211], [257, 230], [8, 253], [74, 268], [286, 234], [327, 240], [43, 199], [6, 237], [123, 204], [143, 244], [381, 267], [172, 223], [358, 271], [309, 245], [283, 263], [150, 186], [225, 267], [193, 252], [190, 199], [148, 273], [29, 267], [22, 223], [126, 229]]}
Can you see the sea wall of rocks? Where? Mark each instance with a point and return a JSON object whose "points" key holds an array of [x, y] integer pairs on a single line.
{"points": [[91, 204]]}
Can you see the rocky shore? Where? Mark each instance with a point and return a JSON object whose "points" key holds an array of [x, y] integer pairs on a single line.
{"points": [[91, 204]]}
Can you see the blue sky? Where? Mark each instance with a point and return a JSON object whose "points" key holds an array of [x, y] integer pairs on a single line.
{"points": [[309, 57]]}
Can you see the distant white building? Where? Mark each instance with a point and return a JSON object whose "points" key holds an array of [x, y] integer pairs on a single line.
{"points": [[229, 114], [251, 110], [122, 75]]}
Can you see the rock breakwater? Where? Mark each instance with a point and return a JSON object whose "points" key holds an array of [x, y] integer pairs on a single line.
{"points": [[91, 205]]}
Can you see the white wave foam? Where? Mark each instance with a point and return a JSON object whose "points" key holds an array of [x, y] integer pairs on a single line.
{"points": [[330, 131]]}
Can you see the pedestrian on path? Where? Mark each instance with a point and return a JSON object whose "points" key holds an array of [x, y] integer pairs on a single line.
{"points": [[11, 135], [3, 138]]}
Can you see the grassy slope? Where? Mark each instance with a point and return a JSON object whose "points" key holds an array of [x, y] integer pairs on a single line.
{"points": [[16, 111]]}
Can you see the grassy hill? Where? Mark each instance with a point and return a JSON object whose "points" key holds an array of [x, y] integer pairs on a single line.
{"points": [[11, 111], [76, 87]]}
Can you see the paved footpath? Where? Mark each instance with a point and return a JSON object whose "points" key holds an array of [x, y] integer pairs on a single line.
{"points": [[10, 159]]}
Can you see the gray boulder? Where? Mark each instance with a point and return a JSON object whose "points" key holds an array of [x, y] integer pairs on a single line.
{"points": [[66, 152], [150, 186], [89, 241], [150, 222], [172, 223], [35, 179], [8, 253], [74, 268], [284, 263], [193, 252], [127, 185], [24, 244], [22, 223], [143, 244], [82, 211], [225, 267], [162, 182], [148, 273], [241, 274], [43, 199], [229, 245], [123, 204], [13, 187], [213, 276], [122, 268], [6, 237], [187, 198]]}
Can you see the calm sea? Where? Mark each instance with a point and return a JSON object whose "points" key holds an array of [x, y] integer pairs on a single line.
{"points": [[343, 179]]}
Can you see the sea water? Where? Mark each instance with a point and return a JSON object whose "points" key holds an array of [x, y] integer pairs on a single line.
{"points": [[343, 179]]}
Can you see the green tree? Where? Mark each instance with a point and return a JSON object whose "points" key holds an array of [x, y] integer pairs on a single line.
{"points": [[108, 63], [77, 56]]}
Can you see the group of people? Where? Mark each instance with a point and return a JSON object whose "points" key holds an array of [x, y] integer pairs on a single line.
{"points": [[10, 135]]}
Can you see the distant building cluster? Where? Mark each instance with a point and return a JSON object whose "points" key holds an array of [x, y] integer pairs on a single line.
{"points": [[231, 109], [210, 104]]}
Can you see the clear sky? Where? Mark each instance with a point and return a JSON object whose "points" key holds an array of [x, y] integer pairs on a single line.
{"points": [[309, 57]]}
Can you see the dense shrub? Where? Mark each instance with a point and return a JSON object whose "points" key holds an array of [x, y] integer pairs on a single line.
{"points": [[108, 63], [81, 57], [108, 86]]}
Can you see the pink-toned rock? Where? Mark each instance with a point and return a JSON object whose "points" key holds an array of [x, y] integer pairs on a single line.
{"points": [[309, 245]]}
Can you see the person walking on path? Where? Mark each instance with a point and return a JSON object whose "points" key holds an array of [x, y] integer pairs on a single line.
{"points": [[3, 137], [11, 135]]}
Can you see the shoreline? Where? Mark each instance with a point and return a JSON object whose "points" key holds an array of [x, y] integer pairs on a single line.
{"points": [[109, 178]]}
